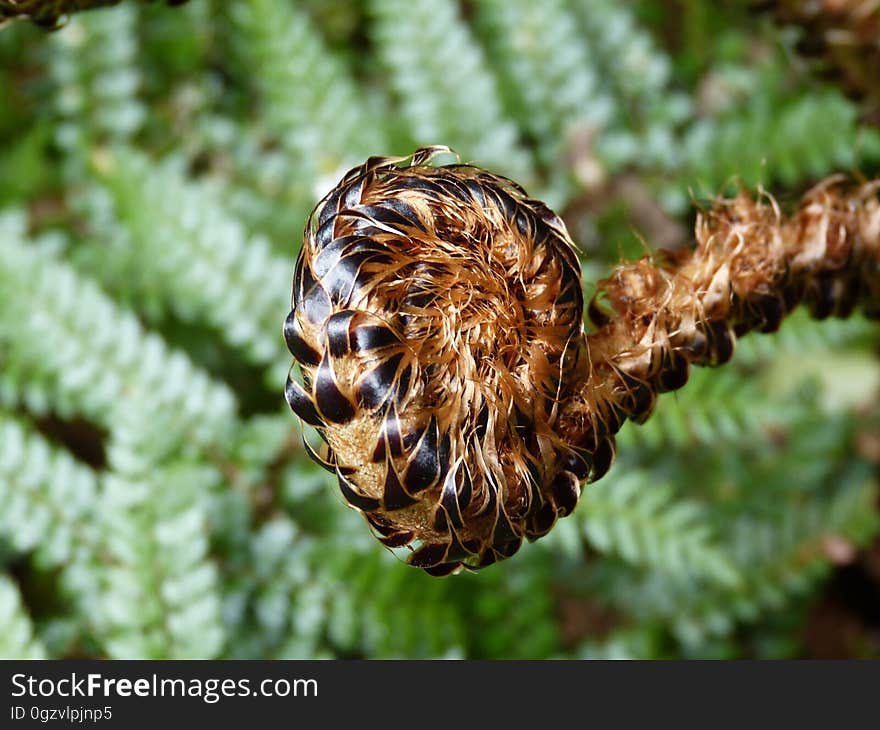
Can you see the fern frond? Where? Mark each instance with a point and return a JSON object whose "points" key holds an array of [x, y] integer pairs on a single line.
{"points": [[17, 640], [773, 139], [261, 187], [783, 558], [156, 170], [47, 507], [779, 556], [183, 252], [620, 644], [549, 74], [803, 336], [46, 497], [159, 594], [639, 73], [75, 352], [717, 408], [93, 63], [309, 98], [441, 80], [634, 517]]}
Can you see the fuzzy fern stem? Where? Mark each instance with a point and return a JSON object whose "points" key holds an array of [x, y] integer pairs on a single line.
{"points": [[751, 267]]}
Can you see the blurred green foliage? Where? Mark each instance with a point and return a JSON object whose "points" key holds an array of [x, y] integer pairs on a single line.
{"points": [[156, 169]]}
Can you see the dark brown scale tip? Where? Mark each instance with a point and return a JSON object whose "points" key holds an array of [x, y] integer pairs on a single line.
{"points": [[430, 555], [440, 521], [406, 213], [333, 406], [296, 343], [819, 296], [390, 442], [566, 491], [541, 521], [337, 327], [301, 403], [368, 338], [504, 530], [792, 295], [395, 496], [443, 453], [388, 534], [722, 343], [698, 347], [316, 457], [398, 539], [390, 214], [377, 385], [578, 463], [423, 470], [507, 549], [644, 403], [638, 402], [613, 417], [603, 458], [449, 500], [772, 309], [345, 277], [457, 550], [761, 312], [314, 303], [382, 525], [465, 488], [489, 557], [848, 299], [367, 504], [674, 374], [332, 252], [444, 569]]}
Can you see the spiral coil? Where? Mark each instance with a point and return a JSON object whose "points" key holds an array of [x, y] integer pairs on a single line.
{"points": [[437, 323], [437, 320]]}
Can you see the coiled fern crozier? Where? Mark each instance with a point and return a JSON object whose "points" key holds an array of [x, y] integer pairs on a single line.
{"points": [[157, 166], [437, 323]]}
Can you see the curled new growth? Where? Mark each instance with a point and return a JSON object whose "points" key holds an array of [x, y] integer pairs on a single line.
{"points": [[438, 327]]}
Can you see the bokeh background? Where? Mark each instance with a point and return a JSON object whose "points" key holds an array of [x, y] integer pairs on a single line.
{"points": [[156, 169]]}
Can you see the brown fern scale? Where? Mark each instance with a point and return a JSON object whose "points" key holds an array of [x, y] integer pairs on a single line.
{"points": [[437, 325]]}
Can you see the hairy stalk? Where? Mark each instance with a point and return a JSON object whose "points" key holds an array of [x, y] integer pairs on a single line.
{"points": [[437, 325], [751, 267]]}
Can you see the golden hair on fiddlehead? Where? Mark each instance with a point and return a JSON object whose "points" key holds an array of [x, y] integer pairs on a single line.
{"points": [[437, 326]]}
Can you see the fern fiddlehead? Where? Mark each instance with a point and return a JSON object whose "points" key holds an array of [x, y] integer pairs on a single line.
{"points": [[437, 324]]}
